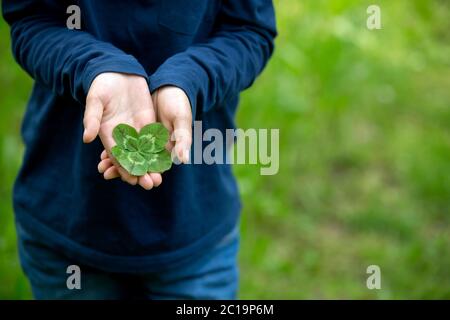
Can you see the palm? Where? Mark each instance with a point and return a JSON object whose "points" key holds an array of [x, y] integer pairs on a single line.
{"points": [[173, 110], [113, 99]]}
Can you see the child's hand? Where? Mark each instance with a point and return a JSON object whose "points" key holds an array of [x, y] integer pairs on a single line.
{"points": [[174, 111], [115, 98]]}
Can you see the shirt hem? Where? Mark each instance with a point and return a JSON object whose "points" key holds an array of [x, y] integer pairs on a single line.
{"points": [[117, 263]]}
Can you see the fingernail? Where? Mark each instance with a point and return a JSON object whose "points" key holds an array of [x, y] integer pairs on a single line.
{"points": [[186, 156]]}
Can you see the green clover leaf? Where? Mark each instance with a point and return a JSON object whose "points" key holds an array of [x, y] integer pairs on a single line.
{"points": [[126, 137], [153, 138], [142, 152], [160, 162]]}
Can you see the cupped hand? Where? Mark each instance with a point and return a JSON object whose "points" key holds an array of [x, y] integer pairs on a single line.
{"points": [[173, 110], [115, 98]]}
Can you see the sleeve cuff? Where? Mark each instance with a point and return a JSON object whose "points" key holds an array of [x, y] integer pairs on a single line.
{"points": [[120, 64], [158, 80]]}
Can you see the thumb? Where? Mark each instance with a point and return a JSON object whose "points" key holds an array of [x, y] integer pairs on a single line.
{"points": [[182, 134], [92, 119]]}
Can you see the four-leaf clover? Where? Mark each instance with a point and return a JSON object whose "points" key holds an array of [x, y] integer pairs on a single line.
{"points": [[142, 152]]}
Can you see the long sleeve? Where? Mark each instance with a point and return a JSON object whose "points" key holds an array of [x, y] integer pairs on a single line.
{"points": [[229, 61], [66, 61]]}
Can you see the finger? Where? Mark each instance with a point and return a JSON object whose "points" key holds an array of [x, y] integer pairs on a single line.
{"points": [[104, 165], [170, 145], [104, 155], [146, 182], [133, 180], [156, 178], [92, 119], [183, 138], [111, 173]]}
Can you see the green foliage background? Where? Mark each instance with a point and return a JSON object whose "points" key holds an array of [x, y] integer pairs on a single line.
{"points": [[364, 155]]}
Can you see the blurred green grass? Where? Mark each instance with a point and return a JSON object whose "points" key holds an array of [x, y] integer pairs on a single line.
{"points": [[364, 155]]}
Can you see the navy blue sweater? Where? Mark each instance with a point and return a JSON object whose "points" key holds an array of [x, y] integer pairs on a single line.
{"points": [[211, 49]]}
